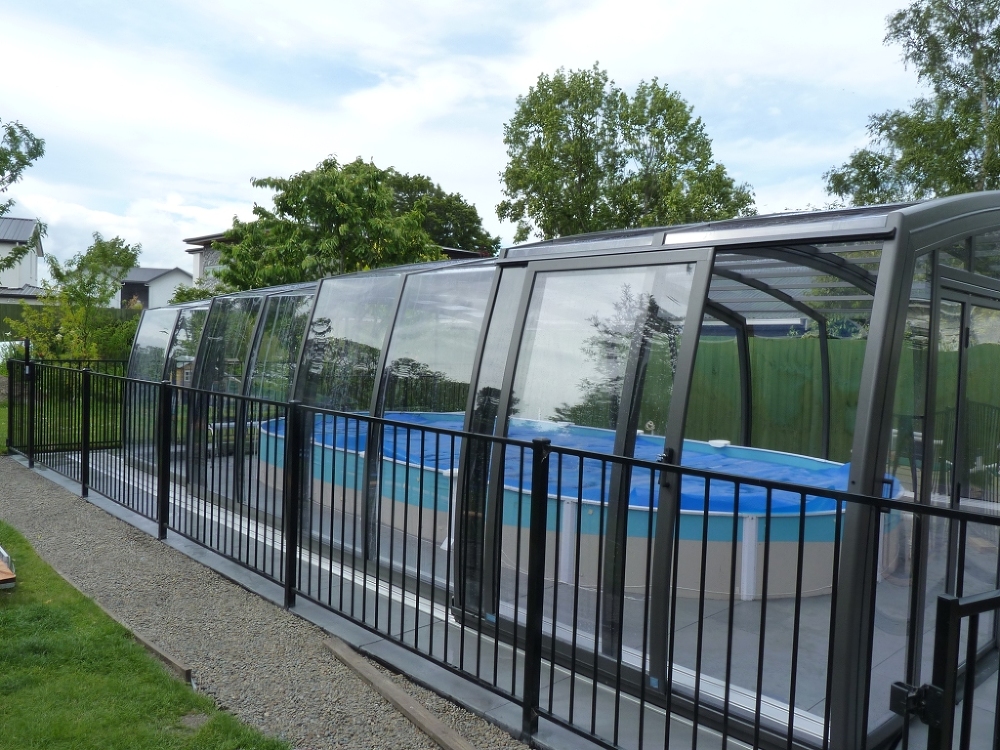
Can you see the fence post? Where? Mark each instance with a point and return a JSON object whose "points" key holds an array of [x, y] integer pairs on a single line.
{"points": [[536, 587], [29, 374], [85, 434], [10, 403], [162, 443], [292, 497]]}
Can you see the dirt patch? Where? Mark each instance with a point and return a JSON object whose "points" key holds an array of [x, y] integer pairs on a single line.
{"points": [[194, 721]]}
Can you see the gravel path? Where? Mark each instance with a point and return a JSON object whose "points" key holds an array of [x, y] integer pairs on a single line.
{"points": [[259, 662]]}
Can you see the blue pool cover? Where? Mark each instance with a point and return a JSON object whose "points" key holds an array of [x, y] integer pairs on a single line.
{"points": [[434, 451]]}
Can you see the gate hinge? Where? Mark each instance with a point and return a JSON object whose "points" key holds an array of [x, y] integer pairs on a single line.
{"points": [[925, 702]]}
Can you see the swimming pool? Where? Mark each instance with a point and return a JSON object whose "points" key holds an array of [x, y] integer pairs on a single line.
{"points": [[417, 478]]}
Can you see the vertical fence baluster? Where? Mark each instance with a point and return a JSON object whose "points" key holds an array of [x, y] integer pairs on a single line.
{"points": [[29, 376], [10, 403], [85, 434], [163, 461], [972, 639], [536, 587], [292, 490]]}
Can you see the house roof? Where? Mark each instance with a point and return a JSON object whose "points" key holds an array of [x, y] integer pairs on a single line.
{"points": [[147, 275], [204, 242], [18, 231], [22, 292]]}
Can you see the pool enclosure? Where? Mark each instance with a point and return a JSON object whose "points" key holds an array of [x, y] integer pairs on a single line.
{"points": [[839, 351]]}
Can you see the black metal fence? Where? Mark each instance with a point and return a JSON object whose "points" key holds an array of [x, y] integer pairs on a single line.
{"points": [[508, 562]]}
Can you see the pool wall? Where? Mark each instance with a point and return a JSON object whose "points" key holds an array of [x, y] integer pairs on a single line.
{"points": [[416, 502]]}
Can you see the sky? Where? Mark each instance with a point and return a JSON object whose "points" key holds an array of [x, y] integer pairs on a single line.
{"points": [[156, 116]]}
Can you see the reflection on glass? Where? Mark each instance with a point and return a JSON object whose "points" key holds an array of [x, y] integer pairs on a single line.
{"points": [[955, 256], [585, 329], [151, 340], [921, 288], [227, 337], [946, 398], [187, 336], [434, 342], [345, 340], [986, 254], [495, 350], [273, 370], [906, 442]]}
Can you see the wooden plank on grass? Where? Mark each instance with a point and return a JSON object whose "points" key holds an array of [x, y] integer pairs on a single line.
{"points": [[7, 577], [444, 736]]}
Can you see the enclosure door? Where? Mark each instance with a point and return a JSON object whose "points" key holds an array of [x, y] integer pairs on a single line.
{"points": [[966, 441], [582, 351]]}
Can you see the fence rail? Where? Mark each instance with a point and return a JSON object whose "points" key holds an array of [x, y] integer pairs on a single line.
{"points": [[526, 567]]}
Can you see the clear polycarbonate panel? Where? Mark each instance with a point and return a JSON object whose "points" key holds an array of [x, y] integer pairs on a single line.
{"points": [[904, 460], [434, 339], [986, 254], [496, 350], [979, 460], [981, 437], [345, 339], [836, 280], [581, 330], [900, 540], [226, 343], [946, 400], [715, 404], [955, 256], [149, 353], [272, 373], [184, 348]]}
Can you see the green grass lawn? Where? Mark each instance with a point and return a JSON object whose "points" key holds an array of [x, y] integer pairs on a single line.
{"points": [[70, 677]]}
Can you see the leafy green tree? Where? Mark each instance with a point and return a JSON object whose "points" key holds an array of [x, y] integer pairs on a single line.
{"points": [[947, 142], [584, 156], [73, 321], [448, 219], [331, 220], [19, 149], [203, 288]]}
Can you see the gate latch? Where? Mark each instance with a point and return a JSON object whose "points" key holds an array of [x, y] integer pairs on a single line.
{"points": [[925, 702]]}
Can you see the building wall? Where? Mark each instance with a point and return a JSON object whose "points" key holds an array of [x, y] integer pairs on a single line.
{"points": [[205, 261], [156, 293], [25, 272], [162, 288]]}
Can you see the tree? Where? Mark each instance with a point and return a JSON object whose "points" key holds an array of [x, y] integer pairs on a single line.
{"points": [[449, 220], [201, 289], [19, 149], [584, 157], [330, 220], [636, 317], [73, 321], [946, 143]]}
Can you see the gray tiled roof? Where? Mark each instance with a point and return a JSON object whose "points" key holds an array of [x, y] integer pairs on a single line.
{"points": [[145, 275], [18, 231], [22, 291]]}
